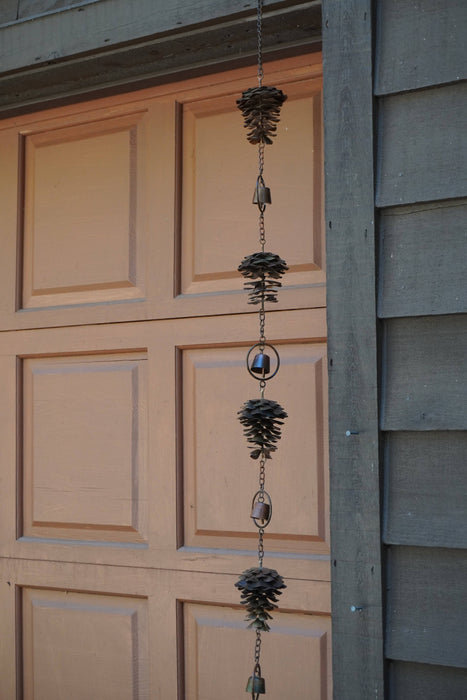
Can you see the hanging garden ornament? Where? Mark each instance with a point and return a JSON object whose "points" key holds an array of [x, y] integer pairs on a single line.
{"points": [[261, 107], [264, 269], [261, 418]]}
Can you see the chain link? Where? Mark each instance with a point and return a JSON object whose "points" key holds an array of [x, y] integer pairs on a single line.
{"points": [[262, 231], [259, 33], [261, 547], [262, 323], [260, 159], [261, 205], [257, 647], [262, 479]]}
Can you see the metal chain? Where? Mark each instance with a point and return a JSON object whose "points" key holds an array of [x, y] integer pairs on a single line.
{"points": [[262, 323], [257, 646], [259, 33], [262, 479], [262, 232], [260, 547], [261, 205], [261, 158]]}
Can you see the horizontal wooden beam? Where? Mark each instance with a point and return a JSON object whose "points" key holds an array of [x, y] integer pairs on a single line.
{"points": [[108, 46]]}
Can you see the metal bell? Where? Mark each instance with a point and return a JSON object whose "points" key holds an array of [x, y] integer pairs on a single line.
{"points": [[260, 511], [262, 194], [255, 683], [261, 364]]}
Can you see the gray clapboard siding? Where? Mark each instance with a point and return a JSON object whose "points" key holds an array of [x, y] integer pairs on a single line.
{"points": [[423, 259], [425, 373], [423, 146], [425, 499], [171, 55], [423, 682], [33, 8], [426, 606], [420, 43], [8, 11], [355, 523]]}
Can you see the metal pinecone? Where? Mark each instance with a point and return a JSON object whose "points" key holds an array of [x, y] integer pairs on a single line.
{"points": [[261, 419], [259, 590], [264, 269], [263, 263], [261, 107]]}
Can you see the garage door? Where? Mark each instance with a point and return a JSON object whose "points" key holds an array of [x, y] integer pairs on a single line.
{"points": [[125, 481]]}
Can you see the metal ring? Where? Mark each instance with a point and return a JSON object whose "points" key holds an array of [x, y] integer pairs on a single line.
{"points": [[269, 501], [262, 346]]}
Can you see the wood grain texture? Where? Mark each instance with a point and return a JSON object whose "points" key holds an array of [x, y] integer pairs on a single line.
{"points": [[116, 45], [213, 521], [217, 645], [216, 199], [408, 681], [355, 545], [426, 489], [76, 645], [425, 376], [419, 44], [8, 11], [34, 8], [423, 146], [426, 603], [423, 249]]}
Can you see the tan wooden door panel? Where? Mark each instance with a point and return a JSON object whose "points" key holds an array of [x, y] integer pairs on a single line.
{"points": [[217, 476], [217, 195], [125, 480], [106, 436], [217, 645], [119, 209], [80, 180], [127, 632], [85, 476]]}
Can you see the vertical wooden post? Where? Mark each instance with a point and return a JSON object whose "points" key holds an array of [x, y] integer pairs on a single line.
{"points": [[358, 667]]}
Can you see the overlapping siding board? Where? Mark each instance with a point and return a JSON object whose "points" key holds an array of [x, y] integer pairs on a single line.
{"points": [[421, 98], [408, 681]]}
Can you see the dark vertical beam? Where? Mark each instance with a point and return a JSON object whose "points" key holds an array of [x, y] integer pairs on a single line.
{"points": [[358, 667]]}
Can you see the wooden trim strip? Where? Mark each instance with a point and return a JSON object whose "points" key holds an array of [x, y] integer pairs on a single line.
{"points": [[87, 51], [358, 667]]}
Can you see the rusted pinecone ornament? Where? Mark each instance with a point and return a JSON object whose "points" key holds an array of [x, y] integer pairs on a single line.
{"points": [[264, 269], [262, 419], [260, 589], [261, 107]]}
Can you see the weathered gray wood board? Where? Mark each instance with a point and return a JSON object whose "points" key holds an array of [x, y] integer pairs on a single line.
{"points": [[355, 544], [33, 8], [106, 23], [426, 604], [423, 257], [425, 499], [166, 54], [420, 43], [423, 146], [8, 11], [412, 681], [425, 373]]}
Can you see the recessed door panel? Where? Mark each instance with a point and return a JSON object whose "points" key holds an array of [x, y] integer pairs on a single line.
{"points": [[125, 478]]}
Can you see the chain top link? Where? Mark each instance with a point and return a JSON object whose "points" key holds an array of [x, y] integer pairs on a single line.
{"points": [[259, 33]]}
